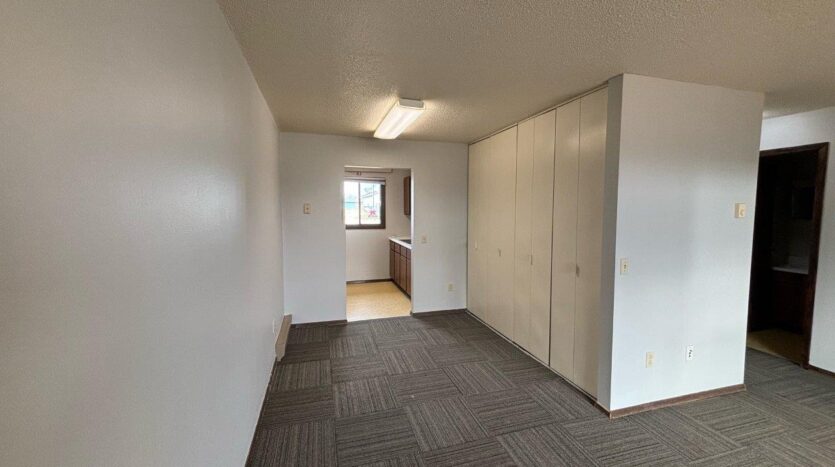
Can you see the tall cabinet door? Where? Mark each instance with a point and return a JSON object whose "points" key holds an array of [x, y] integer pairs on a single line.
{"points": [[593, 110], [542, 201], [522, 249], [564, 255], [501, 188], [476, 238]]}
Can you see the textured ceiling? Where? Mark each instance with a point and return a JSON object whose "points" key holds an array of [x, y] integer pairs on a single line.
{"points": [[336, 66]]}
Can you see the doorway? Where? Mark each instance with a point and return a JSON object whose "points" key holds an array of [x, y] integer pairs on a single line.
{"points": [[377, 213], [787, 225]]}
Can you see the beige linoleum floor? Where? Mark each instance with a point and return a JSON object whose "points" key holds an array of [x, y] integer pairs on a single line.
{"points": [[376, 300], [777, 342]]}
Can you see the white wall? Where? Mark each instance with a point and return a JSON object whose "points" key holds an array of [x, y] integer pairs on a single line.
{"points": [[367, 250], [140, 236], [796, 130], [314, 245], [685, 154]]}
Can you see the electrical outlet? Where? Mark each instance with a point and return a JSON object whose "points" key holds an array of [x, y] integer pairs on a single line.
{"points": [[650, 359], [689, 354], [624, 266], [450, 287], [423, 239]]}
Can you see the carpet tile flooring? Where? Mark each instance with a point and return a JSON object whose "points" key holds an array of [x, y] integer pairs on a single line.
{"points": [[445, 390]]}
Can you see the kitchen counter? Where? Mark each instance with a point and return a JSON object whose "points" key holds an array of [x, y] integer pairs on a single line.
{"points": [[402, 241]]}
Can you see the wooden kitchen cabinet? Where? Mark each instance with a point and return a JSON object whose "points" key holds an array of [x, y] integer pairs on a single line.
{"points": [[400, 267], [407, 196]]}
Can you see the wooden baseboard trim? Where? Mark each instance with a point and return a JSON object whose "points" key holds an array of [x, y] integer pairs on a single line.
{"points": [[321, 323], [283, 336], [437, 312], [822, 371], [673, 401], [368, 281]]}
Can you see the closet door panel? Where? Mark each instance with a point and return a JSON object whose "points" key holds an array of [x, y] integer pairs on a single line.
{"points": [[590, 238], [564, 254], [522, 242], [476, 261], [542, 204], [501, 206]]}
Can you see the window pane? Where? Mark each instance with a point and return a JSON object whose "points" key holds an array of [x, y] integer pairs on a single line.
{"points": [[352, 211], [370, 203]]}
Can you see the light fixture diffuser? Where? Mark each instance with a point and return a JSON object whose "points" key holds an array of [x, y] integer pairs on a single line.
{"points": [[402, 114]]}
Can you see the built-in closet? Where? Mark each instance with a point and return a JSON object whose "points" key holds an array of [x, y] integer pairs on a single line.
{"points": [[534, 202], [535, 235], [580, 153]]}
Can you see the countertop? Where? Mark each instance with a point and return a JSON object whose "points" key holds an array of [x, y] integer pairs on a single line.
{"points": [[400, 241]]}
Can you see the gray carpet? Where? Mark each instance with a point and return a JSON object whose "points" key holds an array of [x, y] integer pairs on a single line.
{"points": [[444, 390]]}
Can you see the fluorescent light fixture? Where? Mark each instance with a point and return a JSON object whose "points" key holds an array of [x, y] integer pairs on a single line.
{"points": [[402, 114]]}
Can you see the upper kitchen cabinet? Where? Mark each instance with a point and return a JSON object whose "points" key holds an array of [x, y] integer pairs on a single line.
{"points": [[407, 195]]}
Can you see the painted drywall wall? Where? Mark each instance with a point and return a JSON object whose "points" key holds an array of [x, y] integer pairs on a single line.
{"points": [[140, 263], [367, 250], [685, 154], [312, 170], [796, 130]]}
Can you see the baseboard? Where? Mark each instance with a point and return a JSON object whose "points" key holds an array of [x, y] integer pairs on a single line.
{"points": [[283, 335], [673, 401], [822, 371], [321, 323], [368, 281], [438, 312]]}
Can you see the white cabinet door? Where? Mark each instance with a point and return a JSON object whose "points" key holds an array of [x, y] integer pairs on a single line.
{"points": [[522, 250], [593, 109], [564, 254], [476, 205], [500, 208], [542, 200]]}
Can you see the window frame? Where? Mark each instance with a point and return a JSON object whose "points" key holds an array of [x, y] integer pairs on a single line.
{"points": [[361, 226]]}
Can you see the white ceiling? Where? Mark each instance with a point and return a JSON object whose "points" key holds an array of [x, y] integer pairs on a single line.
{"points": [[336, 66]]}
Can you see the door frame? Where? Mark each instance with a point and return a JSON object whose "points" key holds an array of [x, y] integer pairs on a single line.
{"points": [[821, 151]]}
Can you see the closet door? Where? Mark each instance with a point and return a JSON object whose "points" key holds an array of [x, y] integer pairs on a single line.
{"points": [[564, 254], [522, 242], [542, 202], [501, 188], [476, 241], [593, 110]]}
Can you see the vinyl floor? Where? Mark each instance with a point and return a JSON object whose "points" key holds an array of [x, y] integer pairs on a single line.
{"points": [[444, 390], [373, 300]]}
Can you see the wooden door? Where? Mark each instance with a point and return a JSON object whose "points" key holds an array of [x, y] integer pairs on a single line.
{"points": [[593, 110], [564, 254]]}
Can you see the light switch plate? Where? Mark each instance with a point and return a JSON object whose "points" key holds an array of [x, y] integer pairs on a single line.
{"points": [[740, 210], [306, 208]]}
